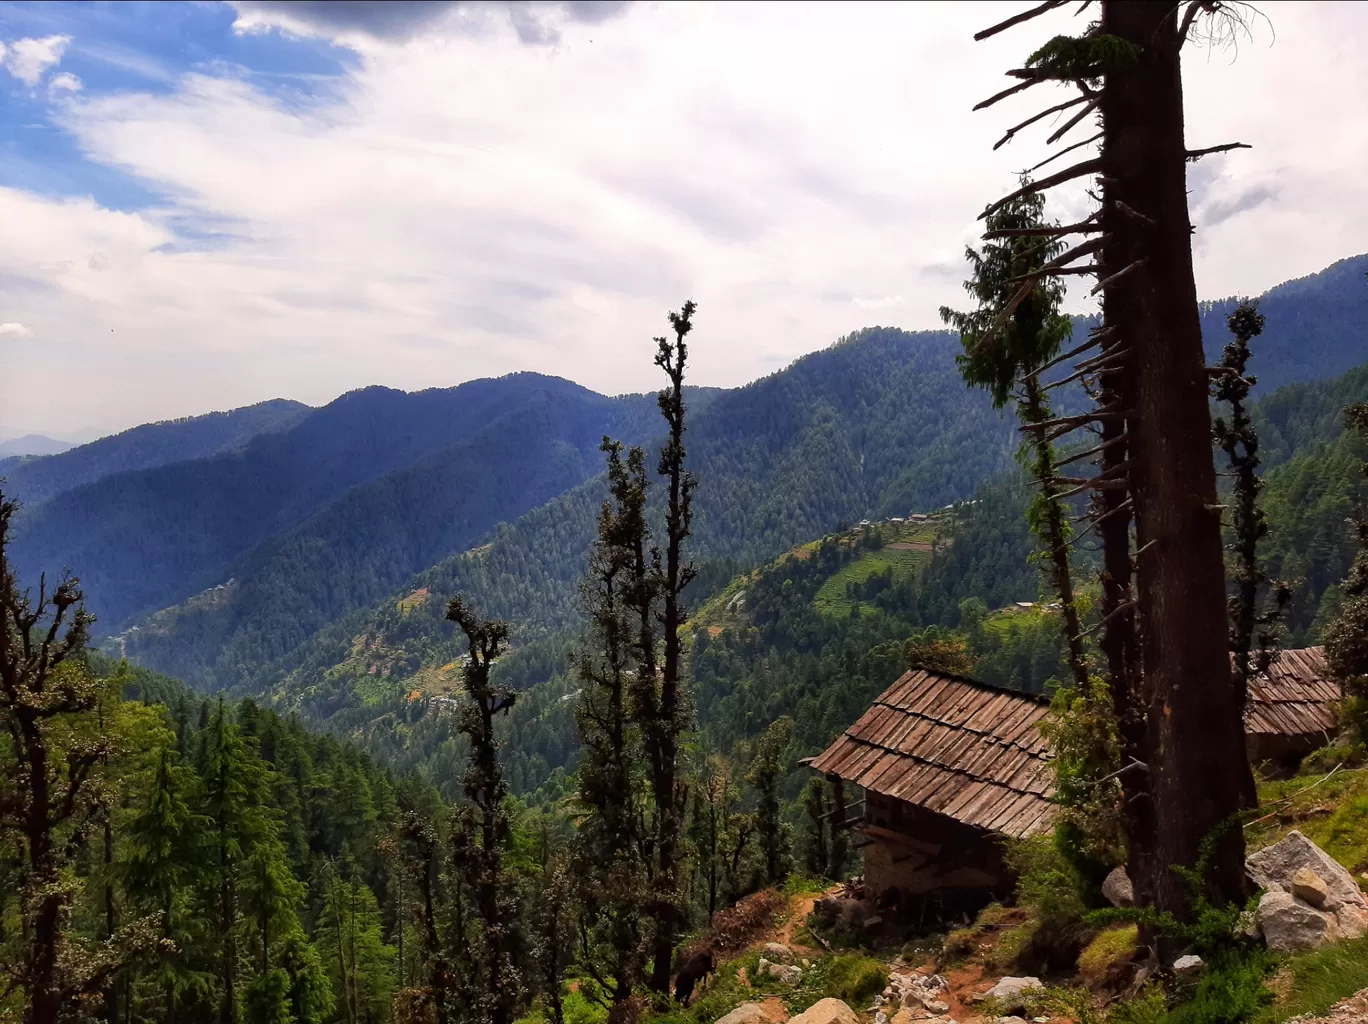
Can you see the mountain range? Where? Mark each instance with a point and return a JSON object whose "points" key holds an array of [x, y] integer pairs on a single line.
{"points": [[260, 549]]}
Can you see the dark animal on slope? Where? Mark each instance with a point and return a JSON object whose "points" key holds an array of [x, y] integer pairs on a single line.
{"points": [[695, 969]]}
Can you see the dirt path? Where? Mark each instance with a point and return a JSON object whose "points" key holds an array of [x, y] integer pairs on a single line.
{"points": [[798, 915]]}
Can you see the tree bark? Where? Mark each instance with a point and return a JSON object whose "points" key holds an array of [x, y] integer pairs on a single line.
{"points": [[1198, 768]]}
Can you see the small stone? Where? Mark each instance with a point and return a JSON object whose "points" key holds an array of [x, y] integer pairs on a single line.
{"points": [[1310, 887], [901, 1017], [1188, 966], [1011, 1020], [936, 1006], [1117, 888], [778, 951], [880, 1018]]}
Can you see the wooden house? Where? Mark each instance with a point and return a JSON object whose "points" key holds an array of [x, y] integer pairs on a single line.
{"points": [[944, 766], [1292, 710]]}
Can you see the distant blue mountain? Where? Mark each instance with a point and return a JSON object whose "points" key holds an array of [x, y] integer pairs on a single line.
{"points": [[32, 445], [145, 447]]}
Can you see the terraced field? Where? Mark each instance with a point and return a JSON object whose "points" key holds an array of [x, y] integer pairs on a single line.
{"points": [[907, 548]]}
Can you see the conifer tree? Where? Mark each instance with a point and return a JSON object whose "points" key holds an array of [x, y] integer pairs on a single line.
{"points": [[764, 773], [1163, 625], [715, 823], [1346, 638], [669, 714], [613, 669], [1253, 630], [162, 868], [234, 797], [478, 856]]}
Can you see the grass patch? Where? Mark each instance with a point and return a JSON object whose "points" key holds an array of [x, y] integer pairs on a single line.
{"points": [[850, 977], [1108, 950], [1331, 812], [831, 599], [1314, 982]]}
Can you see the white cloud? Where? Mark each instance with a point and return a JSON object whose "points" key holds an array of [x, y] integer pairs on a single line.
{"points": [[477, 206], [64, 81], [27, 59], [13, 330]]}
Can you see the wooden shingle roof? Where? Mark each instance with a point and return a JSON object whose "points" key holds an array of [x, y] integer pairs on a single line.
{"points": [[955, 747], [1295, 697]]}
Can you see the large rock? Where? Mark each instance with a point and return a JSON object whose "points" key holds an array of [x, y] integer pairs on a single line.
{"points": [[1276, 867], [746, 1013], [1290, 926], [1012, 992], [826, 1011], [1117, 888]]}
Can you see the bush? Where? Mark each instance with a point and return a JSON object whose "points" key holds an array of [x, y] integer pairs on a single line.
{"points": [[738, 926], [959, 945], [1230, 991], [849, 977], [1052, 889]]}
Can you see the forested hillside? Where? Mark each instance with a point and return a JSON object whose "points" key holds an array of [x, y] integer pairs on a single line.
{"points": [[1315, 325], [150, 538], [812, 635], [146, 447], [876, 424]]}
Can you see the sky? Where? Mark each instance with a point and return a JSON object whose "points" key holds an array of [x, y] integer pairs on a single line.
{"points": [[205, 205]]}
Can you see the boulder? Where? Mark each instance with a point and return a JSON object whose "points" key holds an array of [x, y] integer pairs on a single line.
{"points": [[936, 1006], [1352, 920], [1117, 888], [746, 1013], [901, 1017], [785, 973], [1188, 966], [826, 1011], [1290, 926], [880, 1018], [1012, 992], [1310, 888], [1276, 867], [777, 951]]}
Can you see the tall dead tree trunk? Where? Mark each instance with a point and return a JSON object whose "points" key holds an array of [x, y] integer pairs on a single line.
{"points": [[1199, 773], [1178, 714]]}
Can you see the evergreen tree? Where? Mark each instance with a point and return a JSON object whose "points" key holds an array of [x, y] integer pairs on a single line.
{"points": [[162, 868], [764, 773], [478, 857], [1346, 639], [1253, 632], [669, 713], [235, 799], [615, 665]]}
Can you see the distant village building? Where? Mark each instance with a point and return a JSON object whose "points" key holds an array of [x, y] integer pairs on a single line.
{"points": [[944, 766]]}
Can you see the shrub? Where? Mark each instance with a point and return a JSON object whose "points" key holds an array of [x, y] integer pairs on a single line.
{"points": [[738, 926], [1051, 887], [1231, 990], [959, 945]]}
